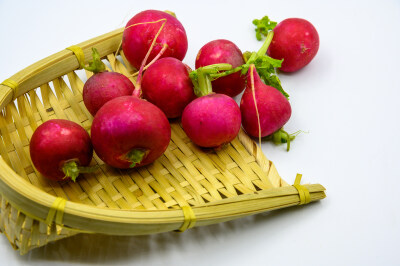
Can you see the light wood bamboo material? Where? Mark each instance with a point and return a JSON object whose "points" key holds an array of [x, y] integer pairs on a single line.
{"points": [[219, 185]]}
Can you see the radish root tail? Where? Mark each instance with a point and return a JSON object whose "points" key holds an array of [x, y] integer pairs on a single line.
{"points": [[164, 48], [141, 23], [252, 68], [138, 91]]}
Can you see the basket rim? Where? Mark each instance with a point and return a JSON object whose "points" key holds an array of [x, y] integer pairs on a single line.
{"points": [[39, 72], [28, 198], [25, 196]]}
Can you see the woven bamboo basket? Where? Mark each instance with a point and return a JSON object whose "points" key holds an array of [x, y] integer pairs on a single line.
{"points": [[186, 187]]}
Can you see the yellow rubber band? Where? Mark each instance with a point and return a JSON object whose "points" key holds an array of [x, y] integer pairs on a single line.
{"points": [[80, 56], [60, 216], [304, 194], [56, 211], [11, 84], [189, 218]]}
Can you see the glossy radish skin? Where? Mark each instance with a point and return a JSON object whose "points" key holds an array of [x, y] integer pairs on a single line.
{"points": [[273, 108], [137, 40], [223, 51], [56, 142], [212, 120], [103, 87], [166, 84], [296, 41], [128, 123]]}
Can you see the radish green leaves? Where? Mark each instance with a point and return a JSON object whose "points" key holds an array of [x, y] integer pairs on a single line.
{"points": [[263, 25]]}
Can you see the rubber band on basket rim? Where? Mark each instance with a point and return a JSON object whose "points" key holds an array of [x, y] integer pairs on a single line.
{"points": [[33, 216], [78, 52], [11, 84], [56, 211], [189, 218], [304, 194]]}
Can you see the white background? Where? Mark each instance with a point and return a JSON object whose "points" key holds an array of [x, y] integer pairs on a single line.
{"points": [[347, 100]]}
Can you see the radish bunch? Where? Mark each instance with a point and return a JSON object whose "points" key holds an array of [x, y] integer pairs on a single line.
{"points": [[264, 105], [129, 131], [130, 126]]}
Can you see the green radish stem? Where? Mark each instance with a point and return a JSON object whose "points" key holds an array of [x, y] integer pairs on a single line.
{"points": [[201, 77], [135, 157], [251, 59], [225, 73], [215, 68], [281, 136], [263, 50], [95, 66], [204, 87], [72, 170]]}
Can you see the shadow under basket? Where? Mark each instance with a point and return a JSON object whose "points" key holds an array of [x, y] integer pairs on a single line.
{"points": [[185, 187]]}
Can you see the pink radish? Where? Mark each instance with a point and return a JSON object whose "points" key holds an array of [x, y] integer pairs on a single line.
{"points": [[212, 120], [223, 51], [142, 29], [129, 132], [60, 149], [296, 41], [264, 109], [166, 84], [103, 87]]}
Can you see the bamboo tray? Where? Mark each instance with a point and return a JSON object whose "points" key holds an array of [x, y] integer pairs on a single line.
{"points": [[186, 187]]}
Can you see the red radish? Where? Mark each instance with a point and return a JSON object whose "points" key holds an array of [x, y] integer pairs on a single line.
{"points": [[223, 51], [166, 84], [296, 41], [271, 112], [59, 148], [103, 87], [129, 132], [143, 28], [212, 120]]}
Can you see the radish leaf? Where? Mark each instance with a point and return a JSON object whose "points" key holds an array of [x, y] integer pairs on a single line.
{"points": [[263, 25], [265, 66]]}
